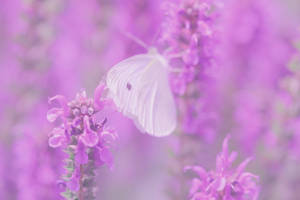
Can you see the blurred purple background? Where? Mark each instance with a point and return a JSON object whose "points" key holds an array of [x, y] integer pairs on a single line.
{"points": [[247, 84]]}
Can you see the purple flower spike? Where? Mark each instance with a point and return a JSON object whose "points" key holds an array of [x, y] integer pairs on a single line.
{"points": [[225, 182], [189, 30], [86, 141]]}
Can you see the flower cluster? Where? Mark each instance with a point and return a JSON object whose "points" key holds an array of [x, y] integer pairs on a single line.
{"points": [[225, 182], [190, 36], [86, 141], [188, 33]]}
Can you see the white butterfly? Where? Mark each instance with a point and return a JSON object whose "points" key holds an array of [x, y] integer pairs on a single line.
{"points": [[140, 89]]}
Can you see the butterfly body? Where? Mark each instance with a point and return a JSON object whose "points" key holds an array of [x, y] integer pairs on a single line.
{"points": [[140, 89]]}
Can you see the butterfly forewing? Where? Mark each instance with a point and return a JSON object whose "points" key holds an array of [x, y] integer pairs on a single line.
{"points": [[140, 89]]}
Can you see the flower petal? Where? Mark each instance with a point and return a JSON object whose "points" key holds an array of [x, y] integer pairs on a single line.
{"points": [[199, 170], [89, 137], [97, 158], [106, 157], [56, 140], [54, 113], [242, 167], [56, 131], [81, 156], [108, 137], [98, 103], [81, 96], [62, 102], [196, 185], [221, 183]]}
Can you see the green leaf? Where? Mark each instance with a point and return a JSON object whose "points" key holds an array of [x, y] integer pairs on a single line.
{"points": [[68, 194]]}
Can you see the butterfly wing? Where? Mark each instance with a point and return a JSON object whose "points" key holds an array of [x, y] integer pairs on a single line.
{"points": [[140, 89]]}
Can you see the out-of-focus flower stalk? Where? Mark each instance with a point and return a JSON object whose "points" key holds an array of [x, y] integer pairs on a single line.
{"points": [[33, 168], [189, 37], [255, 52], [283, 136]]}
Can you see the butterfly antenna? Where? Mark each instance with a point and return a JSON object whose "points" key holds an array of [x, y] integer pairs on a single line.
{"points": [[137, 40], [156, 35]]}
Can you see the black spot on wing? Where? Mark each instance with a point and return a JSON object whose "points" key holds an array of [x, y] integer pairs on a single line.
{"points": [[128, 86]]}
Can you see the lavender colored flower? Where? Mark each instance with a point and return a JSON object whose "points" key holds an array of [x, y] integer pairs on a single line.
{"points": [[189, 36], [86, 141], [225, 182]]}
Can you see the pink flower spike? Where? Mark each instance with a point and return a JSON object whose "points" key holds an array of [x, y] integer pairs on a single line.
{"points": [[231, 183], [85, 141]]}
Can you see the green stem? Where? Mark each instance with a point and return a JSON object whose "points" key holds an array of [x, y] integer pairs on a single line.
{"points": [[80, 195]]}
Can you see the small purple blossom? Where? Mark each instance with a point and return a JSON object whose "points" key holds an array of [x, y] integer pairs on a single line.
{"points": [[226, 182]]}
